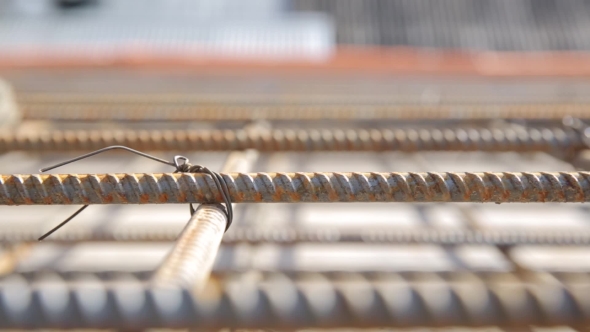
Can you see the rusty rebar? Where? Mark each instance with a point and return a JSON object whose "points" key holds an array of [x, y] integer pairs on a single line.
{"points": [[552, 140], [140, 188], [190, 262]]}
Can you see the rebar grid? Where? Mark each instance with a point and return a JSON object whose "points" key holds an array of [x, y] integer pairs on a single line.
{"points": [[141, 188], [553, 140], [145, 110], [311, 300], [496, 237]]}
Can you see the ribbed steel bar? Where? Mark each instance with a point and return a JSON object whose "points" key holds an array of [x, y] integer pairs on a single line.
{"points": [[141, 188], [144, 109], [313, 300], [553, 140], [496, 237], [191, 260]]}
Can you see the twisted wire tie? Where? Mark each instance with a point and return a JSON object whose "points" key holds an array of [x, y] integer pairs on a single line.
{"points": [[182, 166]]}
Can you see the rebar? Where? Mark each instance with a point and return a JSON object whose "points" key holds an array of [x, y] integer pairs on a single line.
{"points": [[495, 237], [552, 140], [311, 300], [143, 188], [144, 108], [191, 260]]}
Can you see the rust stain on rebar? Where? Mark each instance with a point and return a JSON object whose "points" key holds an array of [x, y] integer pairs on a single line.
{"points": [[163, 198], [144, 198], [258, 197], [108, 198], [297, 187], [293, 196]]}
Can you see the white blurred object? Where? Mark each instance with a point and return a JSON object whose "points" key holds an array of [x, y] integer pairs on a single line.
{"points": [[9, 114], [258, 29]]}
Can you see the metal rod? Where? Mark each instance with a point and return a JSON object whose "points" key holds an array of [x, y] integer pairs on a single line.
{"points": [[142, 188], [309, 301], [190, 261], [552, 140], [506, 237], [144, 108]]}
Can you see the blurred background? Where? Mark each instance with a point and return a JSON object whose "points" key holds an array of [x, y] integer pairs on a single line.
{"points": [[305, 86]]}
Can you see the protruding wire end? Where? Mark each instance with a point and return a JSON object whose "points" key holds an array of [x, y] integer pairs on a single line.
{"points": [[62, 223], [181, 163], [113, 147]]}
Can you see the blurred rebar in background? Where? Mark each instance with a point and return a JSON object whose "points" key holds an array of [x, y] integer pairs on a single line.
{"points": [[429, 107]]}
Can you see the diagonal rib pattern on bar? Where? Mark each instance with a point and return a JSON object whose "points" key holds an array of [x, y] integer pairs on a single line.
{"points": [[555, 140], [286, 236], [142, 188], [314, 300], [190, 261]]}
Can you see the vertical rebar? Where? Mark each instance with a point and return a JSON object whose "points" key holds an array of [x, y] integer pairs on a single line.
{"points": [[191, 260]]}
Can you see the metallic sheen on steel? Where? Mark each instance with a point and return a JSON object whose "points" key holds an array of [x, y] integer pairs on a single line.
{"points": [[143, 188], [552, 140], [190, 261], [308, 301]]}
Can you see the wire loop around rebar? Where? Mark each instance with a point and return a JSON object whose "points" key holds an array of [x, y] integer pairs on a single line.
{"points": [[184, 167], [220, 183]]}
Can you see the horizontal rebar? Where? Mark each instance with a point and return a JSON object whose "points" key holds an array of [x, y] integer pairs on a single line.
{"points": [[144, 108], [496, 237], [142, 188], [312, 300], [553, 140]]}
